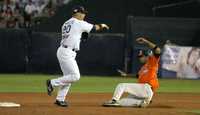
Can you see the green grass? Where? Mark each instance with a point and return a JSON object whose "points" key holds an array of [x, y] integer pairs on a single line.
{"points": [[172, 85], [36, 83], [195, 112]]}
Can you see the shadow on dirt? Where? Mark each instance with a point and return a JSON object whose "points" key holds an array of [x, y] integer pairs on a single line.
{"points": [[161, 106]]}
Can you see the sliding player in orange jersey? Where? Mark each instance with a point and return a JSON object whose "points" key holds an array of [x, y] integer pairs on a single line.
{"points": [[141, 93]]}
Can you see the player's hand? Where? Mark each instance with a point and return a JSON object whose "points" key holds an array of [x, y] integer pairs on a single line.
{"points": [[104, 26], [141, 40]]}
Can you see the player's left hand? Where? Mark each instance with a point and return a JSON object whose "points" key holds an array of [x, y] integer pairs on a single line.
{"points": [[141, 40], [105, 26]]}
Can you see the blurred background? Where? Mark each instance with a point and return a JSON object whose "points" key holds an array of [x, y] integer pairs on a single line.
{"points": [[30, 35]]}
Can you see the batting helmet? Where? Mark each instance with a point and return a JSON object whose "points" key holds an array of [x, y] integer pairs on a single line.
{"points": [[79, 9]]}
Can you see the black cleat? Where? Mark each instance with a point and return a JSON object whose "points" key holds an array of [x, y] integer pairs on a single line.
{"points": [[61, 103], [49, 87], [111, 103]]}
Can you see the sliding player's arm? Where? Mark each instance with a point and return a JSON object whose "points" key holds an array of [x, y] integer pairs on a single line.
{"points": [[150, 44]]}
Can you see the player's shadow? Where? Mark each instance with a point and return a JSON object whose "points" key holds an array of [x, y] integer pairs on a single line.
{"points": [[161, 106]]}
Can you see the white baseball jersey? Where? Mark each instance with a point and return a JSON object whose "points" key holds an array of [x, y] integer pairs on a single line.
{"points": [[71, 37], [72, 31]]}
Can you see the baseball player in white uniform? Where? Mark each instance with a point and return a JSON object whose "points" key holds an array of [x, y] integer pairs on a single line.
{"points": [[72, 30]]}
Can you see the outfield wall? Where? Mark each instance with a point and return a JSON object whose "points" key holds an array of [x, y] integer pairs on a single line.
{"points": [[23, 51], [13, 50]]}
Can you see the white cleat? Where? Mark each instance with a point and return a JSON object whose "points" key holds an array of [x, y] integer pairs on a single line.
{"points": [[143, 104]]}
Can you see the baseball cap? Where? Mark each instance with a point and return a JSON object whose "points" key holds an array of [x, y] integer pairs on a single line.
{"points": [[80, 9]]}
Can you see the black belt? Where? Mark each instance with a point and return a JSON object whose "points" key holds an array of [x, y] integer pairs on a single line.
{"points": [[65, 46]]}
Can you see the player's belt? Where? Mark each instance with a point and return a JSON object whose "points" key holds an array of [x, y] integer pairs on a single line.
{"points": [[65, 46]]}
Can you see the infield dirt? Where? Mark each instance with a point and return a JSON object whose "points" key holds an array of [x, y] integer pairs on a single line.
{"points": [[90, 104]]}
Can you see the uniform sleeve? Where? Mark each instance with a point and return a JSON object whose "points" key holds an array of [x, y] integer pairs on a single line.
{"points": [[87, 27]]}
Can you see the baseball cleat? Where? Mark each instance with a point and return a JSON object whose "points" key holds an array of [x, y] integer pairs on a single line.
{"points": [[49, 87], [61, 103], [143, 104], [111, 103]]}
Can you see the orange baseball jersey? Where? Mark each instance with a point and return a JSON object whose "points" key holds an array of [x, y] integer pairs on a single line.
{"points": [[148, 72]]}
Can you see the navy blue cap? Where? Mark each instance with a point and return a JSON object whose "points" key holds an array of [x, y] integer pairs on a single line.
{"points": [[79, 9]]}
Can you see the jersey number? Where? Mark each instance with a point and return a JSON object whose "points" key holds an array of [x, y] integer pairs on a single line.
{"points": [[67, 28]]}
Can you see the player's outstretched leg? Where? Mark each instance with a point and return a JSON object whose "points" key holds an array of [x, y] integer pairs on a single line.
{"points": [[133, 101], [117, 94], [141, 95]]}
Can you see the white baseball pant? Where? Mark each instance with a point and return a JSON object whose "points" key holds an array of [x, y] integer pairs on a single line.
{"points": [[137, 94], [69, 67]]}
